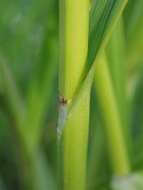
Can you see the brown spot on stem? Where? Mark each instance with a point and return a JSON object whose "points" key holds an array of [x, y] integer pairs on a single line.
{"points": [[63, 101]]}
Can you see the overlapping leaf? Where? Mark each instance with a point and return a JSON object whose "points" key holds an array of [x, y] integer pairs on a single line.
{"points": [[104, 16]]}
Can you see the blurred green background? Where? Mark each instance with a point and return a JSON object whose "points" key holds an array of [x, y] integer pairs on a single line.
{"points": [[29, 47]]}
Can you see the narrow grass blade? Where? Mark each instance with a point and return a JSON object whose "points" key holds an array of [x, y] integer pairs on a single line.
{"points": [[117, 64], [103, 26], [76, 122], [111, 117]]}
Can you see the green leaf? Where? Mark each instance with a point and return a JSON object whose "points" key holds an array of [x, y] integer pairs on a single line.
{"points": [[111, 118], [117, 64], [101, 28], [104, 30]]}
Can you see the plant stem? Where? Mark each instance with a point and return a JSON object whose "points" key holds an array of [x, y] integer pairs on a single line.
{"points": [[73, 125], [110, 113], [74, 19], [118, 68]]}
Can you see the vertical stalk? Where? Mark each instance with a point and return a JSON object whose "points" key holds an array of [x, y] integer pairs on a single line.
{"points": [[112, 120], [118, 68], [74, 18], [73, 126], [116, 55]]}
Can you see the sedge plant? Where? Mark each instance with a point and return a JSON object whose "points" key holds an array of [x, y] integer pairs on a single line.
{"points": [[72, 178], [73, 126], [71, 91]]}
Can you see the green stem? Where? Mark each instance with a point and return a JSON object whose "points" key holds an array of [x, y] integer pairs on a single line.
{"points": [[74, 19], [116, 55], [73, 125], [110, 113]]}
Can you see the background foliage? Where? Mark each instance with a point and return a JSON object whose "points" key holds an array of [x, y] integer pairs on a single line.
{"points": [[29, 54]]}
